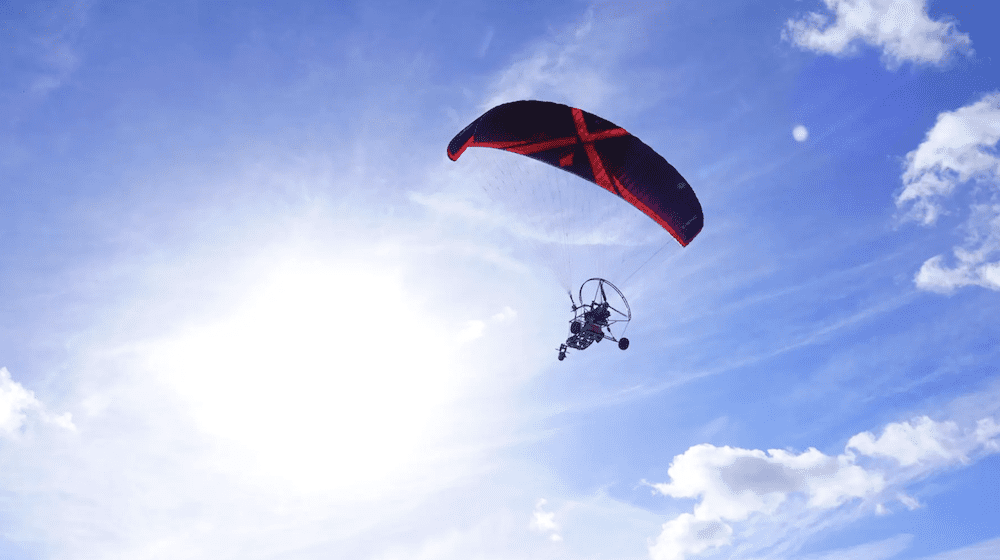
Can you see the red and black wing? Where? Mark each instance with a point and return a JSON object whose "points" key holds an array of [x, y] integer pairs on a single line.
{"points": [[594, 149]]}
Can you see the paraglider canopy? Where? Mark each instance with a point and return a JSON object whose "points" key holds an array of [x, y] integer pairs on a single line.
{"points": [[594, 149]]}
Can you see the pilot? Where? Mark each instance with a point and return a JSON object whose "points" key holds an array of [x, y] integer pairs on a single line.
{"points": [[601, 314]]}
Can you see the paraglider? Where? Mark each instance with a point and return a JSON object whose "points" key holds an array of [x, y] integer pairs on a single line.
{"points": [[604, 154]]}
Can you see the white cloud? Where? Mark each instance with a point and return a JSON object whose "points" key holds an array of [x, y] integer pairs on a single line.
{"points": [[473, 329], [476, 328], [960, 149], [545, 521], [505, 314], [926, 442], [901, 28], [16, 403], [687, 535], [975, 263], [741, 490], [734, 483]]}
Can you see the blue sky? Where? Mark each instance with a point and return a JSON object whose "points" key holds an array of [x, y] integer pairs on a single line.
{"points": [[251, 310]]}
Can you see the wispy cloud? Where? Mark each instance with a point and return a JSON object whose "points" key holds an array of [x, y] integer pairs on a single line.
{"points": [[50, 42], [484, 45], [544, 521], [985, 550], [566, 68], [900, 28], [878, 550], [575, 65]]}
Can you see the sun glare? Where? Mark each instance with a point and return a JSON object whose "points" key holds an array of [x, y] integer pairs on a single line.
{"points": [[326, 376]]}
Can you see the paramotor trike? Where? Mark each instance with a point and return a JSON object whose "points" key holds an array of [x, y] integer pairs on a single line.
{"points": [[600, 319]]}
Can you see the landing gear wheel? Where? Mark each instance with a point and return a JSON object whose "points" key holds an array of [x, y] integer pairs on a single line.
{"points": [[623, 344], [562, 357], [574, 327]]}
